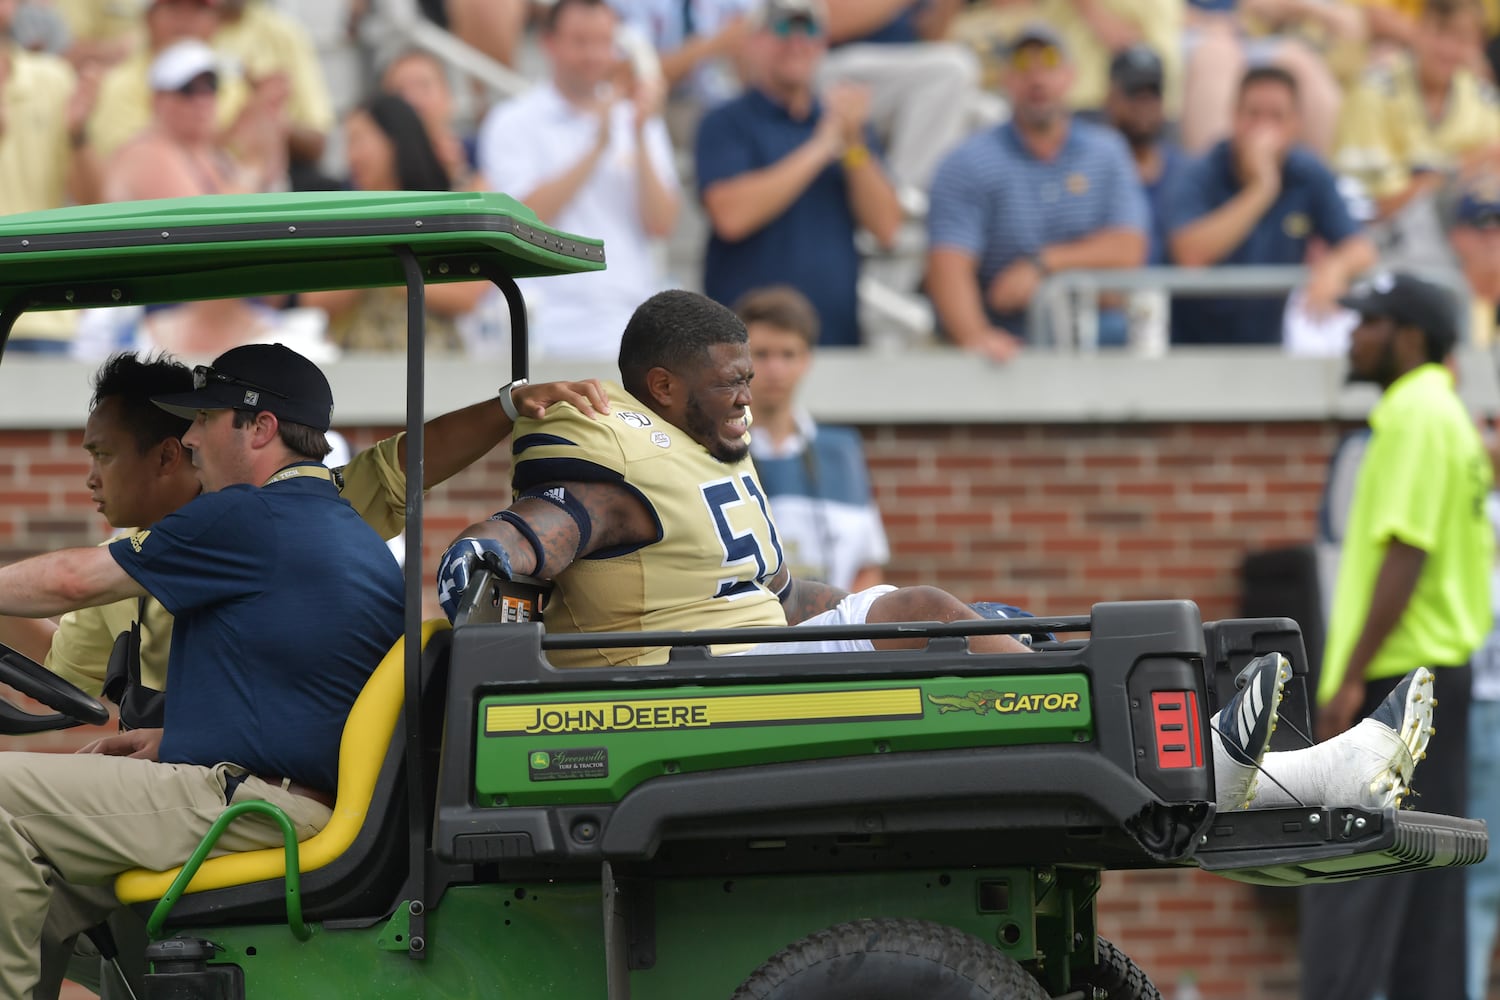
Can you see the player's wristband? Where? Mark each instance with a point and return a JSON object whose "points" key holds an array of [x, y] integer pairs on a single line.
{"points": [[856, 156], [507, 400]]}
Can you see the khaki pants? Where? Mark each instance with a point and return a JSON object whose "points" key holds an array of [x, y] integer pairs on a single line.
{"points": [[69, 823]]}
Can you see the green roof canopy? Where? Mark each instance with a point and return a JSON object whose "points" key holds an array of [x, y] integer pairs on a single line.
{"points": [[231, 246]]}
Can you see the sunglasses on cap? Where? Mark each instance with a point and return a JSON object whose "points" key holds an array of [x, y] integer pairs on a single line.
{"points": [[786, 27], [204, 375], [1034, 56], [201, 85]]}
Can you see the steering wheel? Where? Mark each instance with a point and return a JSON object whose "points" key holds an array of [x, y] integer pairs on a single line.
{"points": [[73, 706]]}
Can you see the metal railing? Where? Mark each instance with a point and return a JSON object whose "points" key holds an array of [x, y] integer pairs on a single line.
{"points": [[1065, 310]]}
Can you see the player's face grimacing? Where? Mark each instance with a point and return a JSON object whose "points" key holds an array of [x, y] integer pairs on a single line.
{"points": [[716, 407]]}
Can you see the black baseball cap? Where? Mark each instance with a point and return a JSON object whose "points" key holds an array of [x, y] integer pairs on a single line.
{"points": [[1409, 301], [270, 378], [1137, 68]]}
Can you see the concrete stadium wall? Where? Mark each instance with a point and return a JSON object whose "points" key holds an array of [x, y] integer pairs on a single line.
{"points": [[1162, 480]]}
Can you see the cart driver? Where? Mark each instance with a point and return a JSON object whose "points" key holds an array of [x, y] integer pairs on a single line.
{"points": [[264, 560], [140, 472], [653, 518]]}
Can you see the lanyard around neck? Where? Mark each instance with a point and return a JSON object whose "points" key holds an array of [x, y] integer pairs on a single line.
{"points": [[294, 471]]}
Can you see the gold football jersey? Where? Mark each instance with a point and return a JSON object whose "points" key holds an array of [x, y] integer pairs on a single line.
{"points": [[715, 551], [1384, 135]]}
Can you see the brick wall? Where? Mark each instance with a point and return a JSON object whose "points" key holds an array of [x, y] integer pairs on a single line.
{"points": [[1050, 517]]}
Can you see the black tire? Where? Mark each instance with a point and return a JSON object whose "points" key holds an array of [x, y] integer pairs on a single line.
{"points": [[1117, 976], [890, 960]]}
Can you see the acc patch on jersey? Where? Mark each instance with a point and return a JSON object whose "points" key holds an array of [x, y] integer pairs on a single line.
{"points": [[660, 439]]}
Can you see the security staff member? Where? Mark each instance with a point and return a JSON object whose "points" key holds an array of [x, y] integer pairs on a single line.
{"points": [[1413, 590]]}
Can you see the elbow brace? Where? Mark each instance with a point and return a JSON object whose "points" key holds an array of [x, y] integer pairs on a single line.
{"points": [[560, 497]]}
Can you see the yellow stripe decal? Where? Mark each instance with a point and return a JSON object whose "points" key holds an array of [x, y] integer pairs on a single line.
{"points": [[703, 712]]}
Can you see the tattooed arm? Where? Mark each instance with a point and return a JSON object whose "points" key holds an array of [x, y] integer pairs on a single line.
{"points": [[803, 599], [615, 516]]}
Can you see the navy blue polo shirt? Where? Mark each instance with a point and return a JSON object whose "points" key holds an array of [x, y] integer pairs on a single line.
{"points": [[995, 201], [1309, 205], [810, 246], [284, 602]]}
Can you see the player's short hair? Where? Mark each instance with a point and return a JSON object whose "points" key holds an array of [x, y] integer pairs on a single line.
{"points": [[782, 307], [299, 439], [133, 381], [1256, 75], [555, 12], [673, 330]]}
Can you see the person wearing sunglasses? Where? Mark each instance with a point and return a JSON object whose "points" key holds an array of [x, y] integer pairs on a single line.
{"points": [[1044, 192]]}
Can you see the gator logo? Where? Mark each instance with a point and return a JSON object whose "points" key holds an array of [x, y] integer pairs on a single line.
{"points": [[1006, 702], [974, 701]]}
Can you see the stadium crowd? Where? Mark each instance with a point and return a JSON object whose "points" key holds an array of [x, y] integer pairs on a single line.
{"points": [[957, 152]]}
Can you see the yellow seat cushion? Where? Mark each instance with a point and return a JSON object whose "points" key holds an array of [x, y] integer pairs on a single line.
{"points": [[362, 751]]}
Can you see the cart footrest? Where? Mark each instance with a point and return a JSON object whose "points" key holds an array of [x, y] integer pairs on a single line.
{"points": [[1339, 844]]}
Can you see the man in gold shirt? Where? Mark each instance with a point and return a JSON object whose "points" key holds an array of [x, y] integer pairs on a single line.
{"points": [[653, 518], [1410, 127]]}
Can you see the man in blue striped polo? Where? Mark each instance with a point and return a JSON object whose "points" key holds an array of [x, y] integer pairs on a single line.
{"points": [[1044, 192]]}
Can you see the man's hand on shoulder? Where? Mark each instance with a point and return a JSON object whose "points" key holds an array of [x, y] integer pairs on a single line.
{"points": [[586, 396], [140, 744]]}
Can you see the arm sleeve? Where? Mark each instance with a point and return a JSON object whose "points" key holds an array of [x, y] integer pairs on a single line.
{"points": [[81, 646], [503, 156], [310, 105], [375, 486], [659, 148], [720, 150], [954, 218], [565, 446], [210, 551], [1189, 199], [1410, 509], [1331, 218]]}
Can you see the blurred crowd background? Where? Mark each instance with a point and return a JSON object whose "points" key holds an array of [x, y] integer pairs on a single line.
{"points": [[997, 175]]}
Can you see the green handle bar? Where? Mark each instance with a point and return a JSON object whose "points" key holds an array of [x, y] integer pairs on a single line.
{"points": [[179, 885]]}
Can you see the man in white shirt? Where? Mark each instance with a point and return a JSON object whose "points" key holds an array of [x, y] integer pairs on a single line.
{"points": [[591, 158]]}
